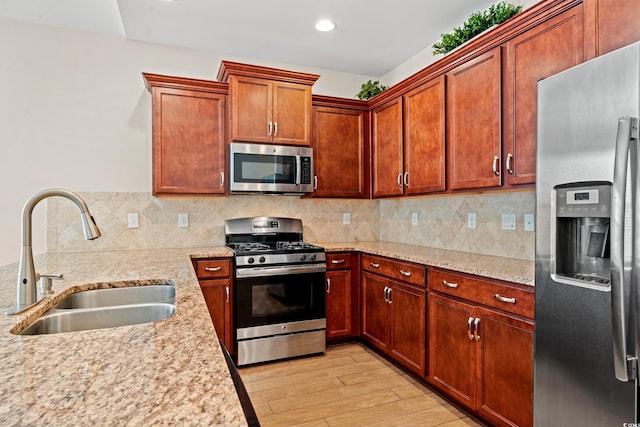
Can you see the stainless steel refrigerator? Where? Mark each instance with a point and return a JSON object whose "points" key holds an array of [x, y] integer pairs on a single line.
{"points": [[588, 244]]}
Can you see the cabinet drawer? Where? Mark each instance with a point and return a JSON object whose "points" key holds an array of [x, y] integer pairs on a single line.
{"points": [[477, 290], [404, 271], [338, 261], [212, 268]]}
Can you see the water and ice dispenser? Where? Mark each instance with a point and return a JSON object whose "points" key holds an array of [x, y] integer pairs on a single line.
{"points": [[582, 216]]}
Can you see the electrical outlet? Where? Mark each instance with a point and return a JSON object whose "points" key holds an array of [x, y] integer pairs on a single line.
{"points": [[346, 218], [529, 222], [183, 220], [414, 218], [509, 221], [471, 220], [132, 220]]}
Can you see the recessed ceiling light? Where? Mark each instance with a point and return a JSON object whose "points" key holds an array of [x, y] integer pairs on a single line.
{"points": [[325, 25]]}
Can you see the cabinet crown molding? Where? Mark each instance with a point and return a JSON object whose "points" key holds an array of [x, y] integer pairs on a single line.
{"points": [[228, 68], [158, 80]]}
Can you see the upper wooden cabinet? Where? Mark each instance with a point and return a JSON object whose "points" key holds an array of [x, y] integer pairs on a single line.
{"points": [[473, 122], [268, 105], [610, 25], [189, 137], [546, 49], [340, 145], [387, 149], [424, 138]]}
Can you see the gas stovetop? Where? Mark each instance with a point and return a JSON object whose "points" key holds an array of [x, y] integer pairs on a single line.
{"points": [[252, 248]]}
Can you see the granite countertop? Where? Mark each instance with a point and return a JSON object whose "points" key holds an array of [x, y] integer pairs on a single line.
{"points": [[492, 267], [167, 372], [170, 372]]}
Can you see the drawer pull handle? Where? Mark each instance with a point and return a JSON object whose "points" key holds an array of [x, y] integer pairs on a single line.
{"points": [[449, 285], [337, 261], [504, 299], [475, 327], [374, 265], [212, 268], [469, 323], [405, 273]]}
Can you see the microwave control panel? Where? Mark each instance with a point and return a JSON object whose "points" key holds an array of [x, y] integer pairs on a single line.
{"points": [[305, 170]]}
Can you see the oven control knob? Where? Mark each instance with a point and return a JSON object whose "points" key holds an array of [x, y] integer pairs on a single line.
{"points": [[262, 259], [312, 257], [303, 257], [250, 260]]}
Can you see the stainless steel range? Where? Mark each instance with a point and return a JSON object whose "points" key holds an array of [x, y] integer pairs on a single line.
{"points": [[279, 289]]}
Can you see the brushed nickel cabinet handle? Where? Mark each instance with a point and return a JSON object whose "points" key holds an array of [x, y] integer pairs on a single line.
{"points": [[469, 323], [226, 291], [400, 180], [212, 268], [405, 273], [269, 128], [406, 179], [386, 297], [508, 164], [275, 129], [495, 165], [337, 261], [504, 299], [475, 327], [389, 300], [374, 265], [315, 182], [328, 285], [449, 284], [221, 179]]}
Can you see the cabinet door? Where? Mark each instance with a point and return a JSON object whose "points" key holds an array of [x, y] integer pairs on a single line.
{"points": [[473, 122], [560, 42], [338, 304], [339, 149], [611, 24], [387, 149], [407, 318], [188, 141], [251, 109], [217, 294], [424, 154], [505, 369], [375, 319], [451, 349], [291, 114]]}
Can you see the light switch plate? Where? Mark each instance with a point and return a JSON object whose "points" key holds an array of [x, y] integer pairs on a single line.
{"points": [[509, 221], [132, 220], [471, 220], [414, 218], [529, 222], [183, 220], [346, 218]]}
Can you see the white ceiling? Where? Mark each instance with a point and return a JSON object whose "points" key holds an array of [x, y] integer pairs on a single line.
{"points": [[372, 36]]}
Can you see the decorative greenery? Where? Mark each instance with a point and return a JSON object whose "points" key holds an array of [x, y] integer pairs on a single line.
{"points": [[370, 89], [477, 23]]}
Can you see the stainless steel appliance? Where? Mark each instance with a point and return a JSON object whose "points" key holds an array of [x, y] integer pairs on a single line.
{"points": [[279, 289], [267, 168], [587, 253]]}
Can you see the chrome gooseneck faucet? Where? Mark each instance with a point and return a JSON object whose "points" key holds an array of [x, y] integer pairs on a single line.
{"points": [[27, 276]]}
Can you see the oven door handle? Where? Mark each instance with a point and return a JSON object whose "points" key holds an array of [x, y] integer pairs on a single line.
{"points": [[280, 270]]}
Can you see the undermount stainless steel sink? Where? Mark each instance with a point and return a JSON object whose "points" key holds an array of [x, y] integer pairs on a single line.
{"points": [[118, 296], [107, 308]]}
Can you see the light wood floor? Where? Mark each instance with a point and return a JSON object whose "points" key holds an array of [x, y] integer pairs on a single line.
{"points": [[349, 385]]}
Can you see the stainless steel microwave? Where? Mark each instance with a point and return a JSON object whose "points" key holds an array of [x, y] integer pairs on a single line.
{"points": [[266, 168]]}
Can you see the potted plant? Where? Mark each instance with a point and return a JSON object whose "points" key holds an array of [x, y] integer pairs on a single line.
{"points": [[370, 89], [476, 24]]}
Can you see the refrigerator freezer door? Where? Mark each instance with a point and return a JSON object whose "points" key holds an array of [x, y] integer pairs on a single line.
{"points": [[574, 377]]}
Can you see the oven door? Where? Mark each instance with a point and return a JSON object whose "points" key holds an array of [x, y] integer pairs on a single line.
{"points": [[279, 298]]}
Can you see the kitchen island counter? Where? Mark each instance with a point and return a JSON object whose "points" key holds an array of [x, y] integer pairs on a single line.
{"points": [[492, 267], [170, 372]]}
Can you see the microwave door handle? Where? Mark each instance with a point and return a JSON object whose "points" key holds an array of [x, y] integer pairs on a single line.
{"points": [[298, 171], [619, 306]]}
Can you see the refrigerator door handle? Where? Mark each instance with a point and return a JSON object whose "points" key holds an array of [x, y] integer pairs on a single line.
{"points": [[620, 307]]}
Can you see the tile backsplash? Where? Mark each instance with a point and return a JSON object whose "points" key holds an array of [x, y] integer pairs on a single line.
{"points": [[441, 221]]}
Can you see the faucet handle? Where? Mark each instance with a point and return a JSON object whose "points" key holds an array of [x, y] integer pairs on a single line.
{"points": [[46, 282]]}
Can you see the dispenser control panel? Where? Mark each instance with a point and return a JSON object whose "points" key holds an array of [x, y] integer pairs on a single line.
{"points": [[584, 201]]}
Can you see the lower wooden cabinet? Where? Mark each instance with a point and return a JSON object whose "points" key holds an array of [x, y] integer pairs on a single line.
{"points": [[480, 356], [216, 283], [341, 296], [393, 316]]}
